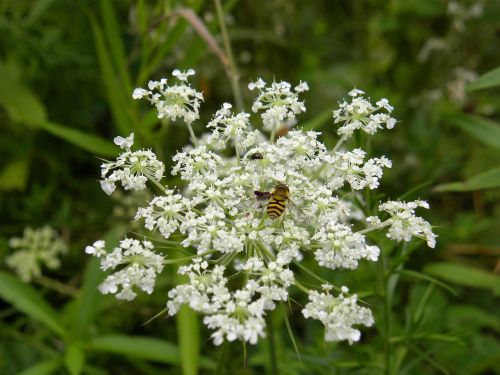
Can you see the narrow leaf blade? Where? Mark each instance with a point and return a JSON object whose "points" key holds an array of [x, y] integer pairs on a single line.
{"points": [[464, 275], [487, 80], [74, 359], [43, 368], [487, 180], [27, 300], [484, 130], [138, 347], [89, 142]]}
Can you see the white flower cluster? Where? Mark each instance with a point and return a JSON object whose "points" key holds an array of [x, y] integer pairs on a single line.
{"points": [[249, 220], [174, 101], [338, 314], [37, 248], [360, 113], [350, 167], [132, 169], [228, 127], [138, 264], [403, 224], [278, 102]]}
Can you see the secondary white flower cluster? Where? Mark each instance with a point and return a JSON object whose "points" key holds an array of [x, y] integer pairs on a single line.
{"points": [[360, 113], [338, 314], [37, 248], [174, 101], [132, 169], [278, 102], [138, 265], [403, 224], [247, 221]]}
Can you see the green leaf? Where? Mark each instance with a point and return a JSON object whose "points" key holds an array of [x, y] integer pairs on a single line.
{"points": [[43, 368], [421, 276], [14, 175], [118, 102], [74, 359], [487, 180], [487, 80], [38, 10], [465, 316], [17, 99], [138, 347], [89, 142], [115, 42], [188, 333], [147, 348], [484, 130], [27, 300], [464, 275]]}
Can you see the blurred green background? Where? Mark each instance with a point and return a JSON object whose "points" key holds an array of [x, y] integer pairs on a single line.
{"points": [[67, 71]]}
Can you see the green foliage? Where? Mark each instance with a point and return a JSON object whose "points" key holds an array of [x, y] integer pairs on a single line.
{"points": [[65, 92], [486, 81], [27, 300]]}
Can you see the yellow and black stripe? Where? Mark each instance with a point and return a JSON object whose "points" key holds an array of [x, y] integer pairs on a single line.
{"points": [[277, 203], [275, 208]]}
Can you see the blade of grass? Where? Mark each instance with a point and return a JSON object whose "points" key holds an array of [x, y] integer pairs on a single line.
{"points": [[27, 300], [74, 359], [115, 42], [118, 102], [487, 80], [486, 180], [465, 275], [484, 130], [421, 276], [46, 367], [88, 142]]}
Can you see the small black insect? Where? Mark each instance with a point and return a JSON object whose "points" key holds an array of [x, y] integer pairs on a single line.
{"points": [[256, 156]]}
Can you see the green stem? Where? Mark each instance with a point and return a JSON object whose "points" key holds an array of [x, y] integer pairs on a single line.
{"points": [[56, 285], [273, 360], [237, 149], [231, 68], [323, 166], [156, 182], [380, 226], [178, 260], [339, 143], [273, 134], [193, 136], [386, 312], [222, 361]]}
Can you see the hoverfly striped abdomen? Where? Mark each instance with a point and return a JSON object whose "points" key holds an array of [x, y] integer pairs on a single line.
{"points": [[277, 203]]}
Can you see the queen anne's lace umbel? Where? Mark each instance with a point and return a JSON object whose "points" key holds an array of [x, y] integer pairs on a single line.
{"points": [[243, 261]]}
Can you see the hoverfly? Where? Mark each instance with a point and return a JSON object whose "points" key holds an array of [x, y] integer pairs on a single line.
{"points": [[277, 200]]}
